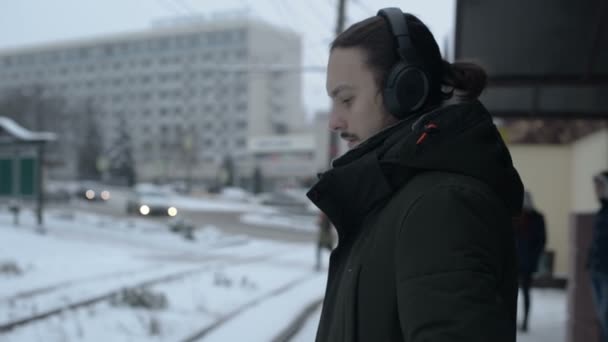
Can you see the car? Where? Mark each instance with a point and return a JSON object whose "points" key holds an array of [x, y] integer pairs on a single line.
{"points": [[150, 201], [92, 191], [277, 199]]}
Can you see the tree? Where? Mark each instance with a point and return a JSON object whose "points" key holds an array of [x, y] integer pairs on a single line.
{"points": [[33, 107], [122, 164], [90, 148], [227, 171], [258, 180], [37, 108]]}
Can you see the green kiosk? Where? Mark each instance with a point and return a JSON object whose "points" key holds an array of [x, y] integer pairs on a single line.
{"points": [[21, 174]]}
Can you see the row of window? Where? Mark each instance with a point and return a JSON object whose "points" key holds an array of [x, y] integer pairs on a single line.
{"points": [[149, 148], [132, 77], [211, 98], [121, 49], [204, 107]]}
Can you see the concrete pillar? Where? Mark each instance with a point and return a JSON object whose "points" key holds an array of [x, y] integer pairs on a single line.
{"points": [[582, 324]]}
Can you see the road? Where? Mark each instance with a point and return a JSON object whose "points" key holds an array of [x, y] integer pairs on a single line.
{"points": [[227, 221]]}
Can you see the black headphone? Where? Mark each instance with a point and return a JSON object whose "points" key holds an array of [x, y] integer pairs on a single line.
{"points": [[407, 85]]}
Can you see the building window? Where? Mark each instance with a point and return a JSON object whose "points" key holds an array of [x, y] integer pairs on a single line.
{"points": [[84, 53], [241, 124], [164, 44], [109, 50], [241, 107], [241, 35], [164, 130], [280, 128], [240, 54], [194, 41]]}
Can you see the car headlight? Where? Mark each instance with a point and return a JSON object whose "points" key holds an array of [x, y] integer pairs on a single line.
{"points": [[144, 210], [105, 195], [172, 211], [90, 194]]}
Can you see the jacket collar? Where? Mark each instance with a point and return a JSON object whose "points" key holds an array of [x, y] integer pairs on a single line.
{"points": [[361, 179]]}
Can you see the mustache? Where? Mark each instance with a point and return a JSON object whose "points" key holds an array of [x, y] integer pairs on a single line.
{"points": [[348, 136]]}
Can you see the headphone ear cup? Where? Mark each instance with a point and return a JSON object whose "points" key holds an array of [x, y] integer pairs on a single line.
{"points": [[406, 90], [391, 99]]}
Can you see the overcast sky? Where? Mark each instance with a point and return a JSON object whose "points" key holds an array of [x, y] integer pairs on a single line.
{"points": [[28, 22]]}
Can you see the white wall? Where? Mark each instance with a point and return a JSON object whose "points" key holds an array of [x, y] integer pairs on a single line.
{"points": [[589, 156], [546, 172], [560, 180]]}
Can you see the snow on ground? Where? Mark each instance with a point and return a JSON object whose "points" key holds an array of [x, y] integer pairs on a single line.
{"points": [[548, 317], [309, 329], [260, 322], [217, 204], [84, 254]]}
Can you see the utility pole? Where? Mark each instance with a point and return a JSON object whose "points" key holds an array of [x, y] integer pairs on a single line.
{"points": [[333, 136]]}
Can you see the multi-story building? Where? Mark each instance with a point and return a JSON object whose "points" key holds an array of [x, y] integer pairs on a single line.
{"points": [[187, 96]]}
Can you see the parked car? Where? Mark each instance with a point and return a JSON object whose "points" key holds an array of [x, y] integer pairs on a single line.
{"points": [[55, 193], [150, 201], [92, 191]]}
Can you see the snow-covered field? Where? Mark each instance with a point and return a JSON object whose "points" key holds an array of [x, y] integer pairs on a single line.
{"points": [[216, 288], [276, 220], [214, 279]]}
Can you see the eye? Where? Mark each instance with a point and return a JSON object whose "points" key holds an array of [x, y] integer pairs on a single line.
{"points": [[347, 101]]}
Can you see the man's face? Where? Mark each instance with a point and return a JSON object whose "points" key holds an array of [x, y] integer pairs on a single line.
{"points": [[357, 111]]}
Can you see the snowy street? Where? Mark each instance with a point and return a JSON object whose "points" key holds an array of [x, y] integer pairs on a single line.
{"points": [[101, 277]]}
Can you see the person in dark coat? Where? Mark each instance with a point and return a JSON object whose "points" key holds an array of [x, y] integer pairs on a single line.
{"points": [[530, 237], [423, 201], [325, 238], [598, 253]]}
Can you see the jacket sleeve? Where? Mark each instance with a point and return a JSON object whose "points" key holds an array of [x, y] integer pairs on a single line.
{"points": [[448, 263]]}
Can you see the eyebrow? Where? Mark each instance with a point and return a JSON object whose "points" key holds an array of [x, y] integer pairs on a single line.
{"points": [[338, 89]]}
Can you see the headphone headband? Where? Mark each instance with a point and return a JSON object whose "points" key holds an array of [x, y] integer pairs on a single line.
{"points": [[397, 23], [406, 88]]}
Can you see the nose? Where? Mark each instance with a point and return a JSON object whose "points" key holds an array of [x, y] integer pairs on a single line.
{"points": [[336, 122]]}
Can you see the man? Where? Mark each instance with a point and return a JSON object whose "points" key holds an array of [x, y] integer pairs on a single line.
{"points": [[325, 238], [423, 201], [530, 237]]}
